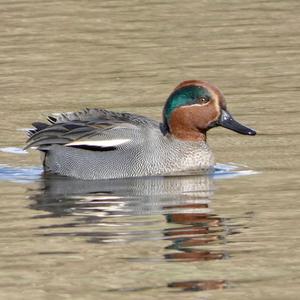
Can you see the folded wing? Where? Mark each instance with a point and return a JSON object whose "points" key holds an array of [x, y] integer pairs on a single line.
{"points": [[91, 129]]}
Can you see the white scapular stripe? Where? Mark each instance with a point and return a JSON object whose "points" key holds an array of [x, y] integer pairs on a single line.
{"points": [[103, 143]]}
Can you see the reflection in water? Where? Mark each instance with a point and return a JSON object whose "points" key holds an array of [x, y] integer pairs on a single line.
{"points": [[200, 285], [200, 229], [118, 211]]}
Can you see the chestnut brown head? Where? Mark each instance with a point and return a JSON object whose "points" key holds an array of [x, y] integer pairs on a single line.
{"points": [[193, 108]]}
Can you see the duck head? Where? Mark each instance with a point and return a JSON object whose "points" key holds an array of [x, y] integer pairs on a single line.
{"points": [[193, 108]]}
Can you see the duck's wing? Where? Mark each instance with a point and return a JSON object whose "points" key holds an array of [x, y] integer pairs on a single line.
{"points": [[91, 129]]}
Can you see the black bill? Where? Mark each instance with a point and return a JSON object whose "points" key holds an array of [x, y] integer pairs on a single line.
{"points": [[227, 121]]}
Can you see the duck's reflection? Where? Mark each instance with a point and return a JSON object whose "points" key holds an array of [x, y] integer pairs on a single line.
{"points": [[199, 285], [127, 197], [120, 209]]}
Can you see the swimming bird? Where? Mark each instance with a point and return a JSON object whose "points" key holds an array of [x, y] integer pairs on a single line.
{"points": [[102, 144]]}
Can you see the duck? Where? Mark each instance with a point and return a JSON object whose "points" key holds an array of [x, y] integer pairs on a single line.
{"points": [[95, 144]]}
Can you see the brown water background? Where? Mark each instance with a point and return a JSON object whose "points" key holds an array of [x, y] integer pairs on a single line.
{"points": [[234, 238]]}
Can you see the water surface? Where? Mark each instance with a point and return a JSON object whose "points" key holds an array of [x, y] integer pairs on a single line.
{"points": [[225, 236]]}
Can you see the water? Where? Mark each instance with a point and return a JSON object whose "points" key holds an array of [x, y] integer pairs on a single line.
{"points": [[225, 236]]}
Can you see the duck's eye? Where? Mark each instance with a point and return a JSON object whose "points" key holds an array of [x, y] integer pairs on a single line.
{"points": [[203, 100]]}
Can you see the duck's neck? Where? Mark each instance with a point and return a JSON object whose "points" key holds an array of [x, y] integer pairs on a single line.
{"points": [[182, 133], [183, 129]]}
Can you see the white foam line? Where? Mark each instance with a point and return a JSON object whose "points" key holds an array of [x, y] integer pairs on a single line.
{"points": [[14, 150]]}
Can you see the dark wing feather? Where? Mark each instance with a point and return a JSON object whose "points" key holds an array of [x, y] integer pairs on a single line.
{"points": [[101, 115], [69, 127]]}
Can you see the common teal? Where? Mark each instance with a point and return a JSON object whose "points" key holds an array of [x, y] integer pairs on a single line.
{"points": [[101, 144]]}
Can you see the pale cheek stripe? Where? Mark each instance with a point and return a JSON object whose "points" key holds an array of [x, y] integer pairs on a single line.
{"points": [[200, 105], [104, 143]]}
